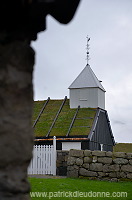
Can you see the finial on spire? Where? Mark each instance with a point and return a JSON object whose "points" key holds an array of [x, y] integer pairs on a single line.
{"points": [[87, 48]]}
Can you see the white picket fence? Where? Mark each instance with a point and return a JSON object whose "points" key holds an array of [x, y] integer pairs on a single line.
{"points": [[44, 159]]}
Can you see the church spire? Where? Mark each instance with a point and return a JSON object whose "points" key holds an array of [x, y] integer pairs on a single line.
{"points": [[87, 48]]}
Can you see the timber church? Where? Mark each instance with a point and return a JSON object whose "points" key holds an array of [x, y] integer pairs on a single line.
{"points": [[80, 122]]}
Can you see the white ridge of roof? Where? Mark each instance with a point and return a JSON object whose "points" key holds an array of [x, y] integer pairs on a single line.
{"points": [[86, 79]]}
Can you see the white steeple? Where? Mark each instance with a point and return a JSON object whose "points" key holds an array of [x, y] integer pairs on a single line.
{"points": [[87, 91], [86, 79]]}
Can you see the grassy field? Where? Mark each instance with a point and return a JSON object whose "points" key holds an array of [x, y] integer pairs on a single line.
{"points": [[58, 187], [123, 147]]}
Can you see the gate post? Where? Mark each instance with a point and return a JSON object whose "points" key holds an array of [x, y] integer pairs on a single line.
{"points": [[54, 155]]}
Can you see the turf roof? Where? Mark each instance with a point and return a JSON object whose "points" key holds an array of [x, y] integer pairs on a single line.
{"points": [[81, 127]]}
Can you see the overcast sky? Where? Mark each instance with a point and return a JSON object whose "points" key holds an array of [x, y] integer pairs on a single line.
{"points": [[61, 56]]}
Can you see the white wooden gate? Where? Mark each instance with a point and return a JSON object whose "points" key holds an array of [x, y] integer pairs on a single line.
{"points": [[44, 159]]}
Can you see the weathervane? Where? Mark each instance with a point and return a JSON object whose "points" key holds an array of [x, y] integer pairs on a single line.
{"points": [[87, 58]]}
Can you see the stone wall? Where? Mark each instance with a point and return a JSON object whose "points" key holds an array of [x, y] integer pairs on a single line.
{"points": [[16, 101], [99, 165], [61, 164]]}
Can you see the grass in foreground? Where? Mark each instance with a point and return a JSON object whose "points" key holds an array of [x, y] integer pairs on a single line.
{"points": [[52, 186]]}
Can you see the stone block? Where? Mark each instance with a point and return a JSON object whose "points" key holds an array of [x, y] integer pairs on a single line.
{"points": [[64, 164], [60, 157], [120, 161], [59, 152], [76, 153], [130, 162], [79, 161], [129, 175], [106, 168], [109, 154], [101, 174], [71, 161], [126, 168], [98, 153], [114, 168], [76, 167], [106, 174], [72, 168], [84, 172], [129, 155], [58, 163], [62, 171], [96, 167], [72, 174], [65, 152], [105, 160], [87, 153], [105, 178], [95, 159], [121, 174], [114, 180], [119, 154], [87, 159], [112, 174], [66, 158], [86, 165]]}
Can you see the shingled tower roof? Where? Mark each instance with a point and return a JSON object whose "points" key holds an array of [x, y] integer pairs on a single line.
{"points": [[86, 79]]}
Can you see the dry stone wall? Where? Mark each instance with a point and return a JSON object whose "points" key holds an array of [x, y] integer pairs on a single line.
{"points": [[16, 134], [99, 165], [61, 163]]}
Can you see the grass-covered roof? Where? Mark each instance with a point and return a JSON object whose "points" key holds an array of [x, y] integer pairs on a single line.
{"points": [[81, 127]]}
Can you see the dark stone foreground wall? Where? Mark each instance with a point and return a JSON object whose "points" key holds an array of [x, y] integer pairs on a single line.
{"points": [[61, 163], [99, 165], [16, 136]]}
